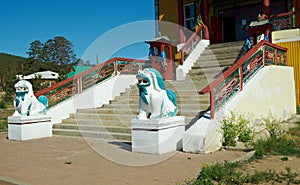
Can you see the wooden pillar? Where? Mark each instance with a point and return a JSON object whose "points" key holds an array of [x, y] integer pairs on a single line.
{"points": [[204, 12], [297, 15], [180, 20], [266, 9], [170, 62], [170, 53]]}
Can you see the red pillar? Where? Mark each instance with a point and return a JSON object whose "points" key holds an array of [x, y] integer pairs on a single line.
{"points": [[266, 9], [180, 20], [169, 74], [204, 12], [297, 15]]}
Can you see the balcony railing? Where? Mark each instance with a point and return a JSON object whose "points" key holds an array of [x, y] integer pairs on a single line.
{"points": [[77, 84], [283, 21], [236, 77]]}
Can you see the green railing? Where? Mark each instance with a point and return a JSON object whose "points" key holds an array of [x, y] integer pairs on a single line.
{"points": [[236, 77], [77, 84]]}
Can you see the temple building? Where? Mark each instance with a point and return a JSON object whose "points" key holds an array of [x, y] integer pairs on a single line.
{"points": [[226, 19], [222, 21]]}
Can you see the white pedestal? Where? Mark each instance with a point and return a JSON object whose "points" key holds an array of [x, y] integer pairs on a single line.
{"points": [[202, 137], [157, 136], [29, 127]]}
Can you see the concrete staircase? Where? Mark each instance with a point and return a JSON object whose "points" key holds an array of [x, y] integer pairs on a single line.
{"points": [[112, 121]]}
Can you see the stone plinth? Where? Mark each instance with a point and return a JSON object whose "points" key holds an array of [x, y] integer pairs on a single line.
{"points": [[157, 136], [204, 136], [29, 127]]}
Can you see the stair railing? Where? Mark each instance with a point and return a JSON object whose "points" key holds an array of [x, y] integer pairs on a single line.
{"points": [[190, 44], [283, 21], [232, 81], [77, 84]]}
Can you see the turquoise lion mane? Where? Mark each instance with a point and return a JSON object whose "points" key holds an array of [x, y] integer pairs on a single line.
{"points": [[171, 94], [44, 100]]}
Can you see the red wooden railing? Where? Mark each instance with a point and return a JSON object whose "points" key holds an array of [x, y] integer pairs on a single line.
{"points": [[236, 77], [77, 84], [282, 21], [190, 44]]}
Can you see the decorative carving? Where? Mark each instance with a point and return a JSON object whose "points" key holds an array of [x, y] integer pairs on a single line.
{"points": [[26, 104], [154, 100]]}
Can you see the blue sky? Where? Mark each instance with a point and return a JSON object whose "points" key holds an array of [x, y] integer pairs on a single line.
{"points": [[80, 21]]}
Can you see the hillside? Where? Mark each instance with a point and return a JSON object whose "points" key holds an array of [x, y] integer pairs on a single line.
{"points": [[9, 65], [4, 57]]}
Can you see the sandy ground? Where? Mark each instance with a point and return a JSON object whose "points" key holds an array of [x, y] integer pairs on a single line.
{"points": [[61, 160], [275, 163]]}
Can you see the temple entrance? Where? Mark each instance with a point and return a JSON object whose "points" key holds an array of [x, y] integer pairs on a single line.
{"points": [[229, 29], [216, 34]]}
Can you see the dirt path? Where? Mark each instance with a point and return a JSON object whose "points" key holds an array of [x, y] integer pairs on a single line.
{"points": [[60, 160]]}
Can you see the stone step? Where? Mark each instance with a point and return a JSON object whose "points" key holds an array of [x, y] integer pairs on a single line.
{"points": [[179, 89], [209, 76], [180, 106], [218, 58], [205, 64], [181, 93], [93, 128], [179, 100], [206, 71], [226, 44], [93, 134], [96, 122], [186, 81], [123, 117], [220, 52], [113, 121], [174, 87], [108, 111]]}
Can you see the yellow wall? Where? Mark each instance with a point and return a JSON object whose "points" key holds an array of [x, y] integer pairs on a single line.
{"points": [[169, 9], [293, 57]]}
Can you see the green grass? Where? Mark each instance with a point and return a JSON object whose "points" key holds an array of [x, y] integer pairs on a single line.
{"points": [[298, 110], [2, 104], [232, 173], [275, 146], [3, 125]]}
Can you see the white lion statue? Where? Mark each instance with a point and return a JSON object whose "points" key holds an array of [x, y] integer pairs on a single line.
{"points": [[26, 104], [154, 100]]}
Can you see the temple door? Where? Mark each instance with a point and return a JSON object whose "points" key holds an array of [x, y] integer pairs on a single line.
{"points": [[216, 27]]}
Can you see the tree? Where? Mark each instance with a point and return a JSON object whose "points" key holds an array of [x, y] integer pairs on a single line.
{"points": [[55, 54], [59, 50], [36, 51]]}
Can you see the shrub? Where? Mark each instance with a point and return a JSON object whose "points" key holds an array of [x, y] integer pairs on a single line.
{"points": [[2, 104], [236, 128], [279, 143], [235, 173], [3, 125], [230, 173], [273, 127]]}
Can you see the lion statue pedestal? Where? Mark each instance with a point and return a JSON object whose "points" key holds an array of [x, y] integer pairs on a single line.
{"points": [[157, 136], [157, 129], [29, 120]]}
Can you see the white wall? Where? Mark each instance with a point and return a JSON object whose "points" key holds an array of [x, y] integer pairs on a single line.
{"points": [[289, 35], [93, 97], [182, 70], [271, 92]]}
